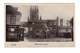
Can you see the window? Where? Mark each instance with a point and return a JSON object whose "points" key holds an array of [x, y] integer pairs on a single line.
{"points": [[13, 20], [50, 23], [60, 29], [12, 29], [54, 29], [31, 29], [66, 29], [50, 28], [33, 17], [54, 23]]}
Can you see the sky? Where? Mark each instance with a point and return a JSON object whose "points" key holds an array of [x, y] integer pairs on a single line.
{"points": [[48, 11]]}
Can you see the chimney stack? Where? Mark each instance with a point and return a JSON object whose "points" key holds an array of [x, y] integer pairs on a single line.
{"points": [[57, 21], [61, 22]]}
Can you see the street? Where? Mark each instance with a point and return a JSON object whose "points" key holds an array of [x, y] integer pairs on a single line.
{"points": [[26, 39]]}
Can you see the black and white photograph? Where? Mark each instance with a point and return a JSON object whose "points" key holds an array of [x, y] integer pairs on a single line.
{"points": [[40, 23]]}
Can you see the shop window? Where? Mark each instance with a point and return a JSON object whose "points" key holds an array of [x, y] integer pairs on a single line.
{"points": [[33, 23]]}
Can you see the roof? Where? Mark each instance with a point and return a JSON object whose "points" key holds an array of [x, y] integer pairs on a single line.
{"points": [[37, 21], [51, 20], [42, 21], [11, 10]]}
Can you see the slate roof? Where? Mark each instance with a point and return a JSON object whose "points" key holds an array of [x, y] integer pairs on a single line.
{"points": [[11, 10]]}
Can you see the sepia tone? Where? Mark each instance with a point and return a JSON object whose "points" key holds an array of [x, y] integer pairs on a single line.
{"points": [[42, 25]]}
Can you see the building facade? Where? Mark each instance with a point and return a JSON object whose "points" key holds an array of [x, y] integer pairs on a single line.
{"points": [[14, 32]]}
